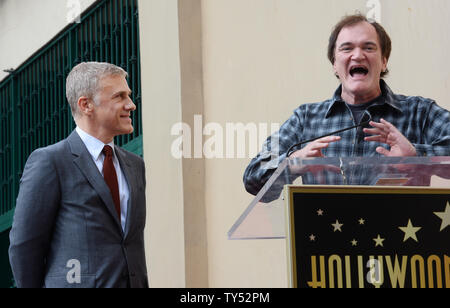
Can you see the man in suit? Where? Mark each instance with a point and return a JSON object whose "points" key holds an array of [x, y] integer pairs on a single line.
{"points": [[80, 213]]}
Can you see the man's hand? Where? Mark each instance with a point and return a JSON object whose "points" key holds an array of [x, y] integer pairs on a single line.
{"points": [[387, 133], [314, 149]]}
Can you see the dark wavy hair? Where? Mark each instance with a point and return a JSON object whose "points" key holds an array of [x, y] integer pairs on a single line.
{"points": [[383, 37]]}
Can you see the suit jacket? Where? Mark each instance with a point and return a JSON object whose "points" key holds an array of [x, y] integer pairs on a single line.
{"points": [[66, 232]]}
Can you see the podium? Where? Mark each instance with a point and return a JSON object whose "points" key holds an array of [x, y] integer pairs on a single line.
{"points": [[357, 222]]}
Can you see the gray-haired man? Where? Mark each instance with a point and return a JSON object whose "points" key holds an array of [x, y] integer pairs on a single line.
{"points": [[80, 213]]}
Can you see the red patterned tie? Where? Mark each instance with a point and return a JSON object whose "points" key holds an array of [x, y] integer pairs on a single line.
{"points": [[110, 175]]}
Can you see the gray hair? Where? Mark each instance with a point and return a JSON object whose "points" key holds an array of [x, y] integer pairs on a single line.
{"points": [[84, 79]]}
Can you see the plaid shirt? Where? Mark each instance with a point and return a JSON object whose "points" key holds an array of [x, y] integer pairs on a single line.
{"points": [[421, 120]]}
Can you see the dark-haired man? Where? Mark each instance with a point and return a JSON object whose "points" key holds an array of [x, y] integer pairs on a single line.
{"points": [[359, 50]]}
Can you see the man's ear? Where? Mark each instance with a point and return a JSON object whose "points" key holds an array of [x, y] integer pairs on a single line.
{"points": [[85, 105], [335, 70], [385, 62]]}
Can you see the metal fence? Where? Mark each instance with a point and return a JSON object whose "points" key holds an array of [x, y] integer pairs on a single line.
{"points": [[33, 108]]}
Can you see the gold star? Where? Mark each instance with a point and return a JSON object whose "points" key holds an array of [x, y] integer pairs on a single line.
{"points": [[337, 226], [410, 231], [319, 212], [354, 242], [312, 238], [445, 216], [379, 241], [361, 221]]}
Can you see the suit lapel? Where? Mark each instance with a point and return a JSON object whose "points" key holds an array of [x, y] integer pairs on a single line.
{"points": [[83, 160], [127, 172]]}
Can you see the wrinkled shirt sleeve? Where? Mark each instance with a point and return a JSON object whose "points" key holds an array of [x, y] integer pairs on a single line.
{"points": [[436, 133], [273, 153]]}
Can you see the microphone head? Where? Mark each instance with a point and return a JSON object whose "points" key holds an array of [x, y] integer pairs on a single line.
{"points": [[369, 115]]}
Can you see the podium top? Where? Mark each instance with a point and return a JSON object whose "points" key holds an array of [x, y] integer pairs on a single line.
{"points": [[264, 218]]}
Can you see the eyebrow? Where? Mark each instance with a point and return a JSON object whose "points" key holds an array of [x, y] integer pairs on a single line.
{"points": [[371, 43], [122, 92]]}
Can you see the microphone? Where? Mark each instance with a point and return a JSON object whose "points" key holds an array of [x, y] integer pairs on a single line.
{"points": [[291, 149]]}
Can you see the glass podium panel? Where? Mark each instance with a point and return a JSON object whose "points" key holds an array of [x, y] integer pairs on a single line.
{"points": [[265, 218]]}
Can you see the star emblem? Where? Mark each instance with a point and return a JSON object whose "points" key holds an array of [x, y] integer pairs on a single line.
{"points": [[354, 242], [337, 226], [361, 221], [379, 241], [320, 212], [312, 238], [410, 231], [445, 216]]}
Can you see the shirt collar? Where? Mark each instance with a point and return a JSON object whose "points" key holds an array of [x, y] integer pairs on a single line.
{"points": [[93, 145], [387, 97]]}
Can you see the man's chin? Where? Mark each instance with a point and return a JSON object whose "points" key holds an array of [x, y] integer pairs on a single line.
{"points": [[358, 87], [126, 130]]}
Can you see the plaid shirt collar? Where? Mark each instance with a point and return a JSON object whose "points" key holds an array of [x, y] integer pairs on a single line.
{"points": [[387, 97]]}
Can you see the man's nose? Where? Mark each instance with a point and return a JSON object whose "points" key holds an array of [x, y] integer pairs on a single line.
{"points": [[357, 54], [130, 105]]}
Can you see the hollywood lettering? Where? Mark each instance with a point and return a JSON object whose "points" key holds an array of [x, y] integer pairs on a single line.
{"points": [[416, 271]]}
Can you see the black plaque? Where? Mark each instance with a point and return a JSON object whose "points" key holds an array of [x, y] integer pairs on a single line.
{"points": [[362, 237]]}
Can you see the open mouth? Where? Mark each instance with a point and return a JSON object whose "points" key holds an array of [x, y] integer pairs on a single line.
{"points": [[358, 71]]}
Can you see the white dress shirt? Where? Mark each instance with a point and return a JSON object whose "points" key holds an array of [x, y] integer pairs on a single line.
{"points": [[95, 148]]}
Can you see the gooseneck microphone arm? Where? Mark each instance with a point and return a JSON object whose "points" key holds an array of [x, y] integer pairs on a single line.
{"points": [[291, 149]]}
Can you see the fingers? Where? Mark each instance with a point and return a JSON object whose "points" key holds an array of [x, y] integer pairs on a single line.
{"points": [[381, 131], [314, 149], [384, 127], [388, 124], [377, 138], [385, 132], [315, 153], [329, 139], [322, 143], [383, 151], [378, 129]]}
